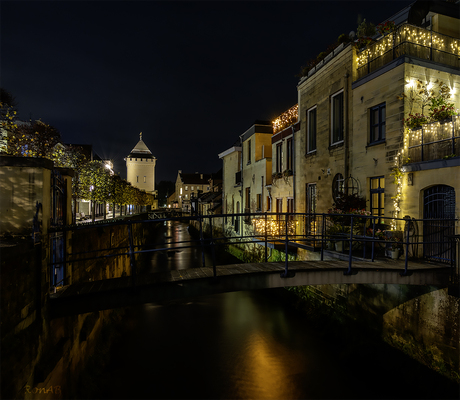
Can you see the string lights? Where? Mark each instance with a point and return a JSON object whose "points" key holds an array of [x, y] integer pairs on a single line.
{"points": [[275, 228], [411, 35], [286, 119]]}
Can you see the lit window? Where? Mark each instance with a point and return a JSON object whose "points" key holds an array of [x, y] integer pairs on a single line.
{"points": [[377, 123], [377, 195], [192, 188], [311, 130], [186, 188], [337, 126]]}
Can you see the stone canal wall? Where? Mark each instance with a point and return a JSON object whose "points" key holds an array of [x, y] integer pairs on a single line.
{"points": [[421, 321], [42, 358]]}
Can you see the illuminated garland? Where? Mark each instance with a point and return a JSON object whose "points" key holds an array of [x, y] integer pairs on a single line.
{"points": [[286, 119], [411, 34], [275, 228]]}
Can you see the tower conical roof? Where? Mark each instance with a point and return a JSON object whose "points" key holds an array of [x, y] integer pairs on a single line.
{"points": [[141, 149]]}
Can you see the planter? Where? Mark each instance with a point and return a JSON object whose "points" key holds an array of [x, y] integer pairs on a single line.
{"points": [[394, 254]]}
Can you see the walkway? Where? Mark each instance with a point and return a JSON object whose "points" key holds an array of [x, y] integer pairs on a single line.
{"points": [[164, 286]]}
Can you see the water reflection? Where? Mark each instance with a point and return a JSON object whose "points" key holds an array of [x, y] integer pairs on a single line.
{"points": [[170, 236], [246, 345]]}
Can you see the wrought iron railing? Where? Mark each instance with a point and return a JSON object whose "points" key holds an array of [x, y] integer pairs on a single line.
{"points": [[412, 41], [435, 141]]}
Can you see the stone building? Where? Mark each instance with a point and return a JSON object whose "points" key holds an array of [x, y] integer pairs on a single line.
{"points": [[140, 166], [353, 136], [247, 171], [190, 186]]}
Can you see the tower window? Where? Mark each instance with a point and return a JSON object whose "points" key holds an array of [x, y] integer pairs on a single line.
{"points": [[145, 179]]}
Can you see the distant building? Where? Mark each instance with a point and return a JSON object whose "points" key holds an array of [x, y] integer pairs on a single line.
{"points": [[190, 186], [140, 166]]}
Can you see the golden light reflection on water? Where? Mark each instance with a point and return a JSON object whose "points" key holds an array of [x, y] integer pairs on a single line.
{"points": [[268, 368]]}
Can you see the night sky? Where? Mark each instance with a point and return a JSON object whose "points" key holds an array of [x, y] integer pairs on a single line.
{"points": [[192, 76]]}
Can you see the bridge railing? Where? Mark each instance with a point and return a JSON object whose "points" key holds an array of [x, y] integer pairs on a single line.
{"points": [[349, 236]]}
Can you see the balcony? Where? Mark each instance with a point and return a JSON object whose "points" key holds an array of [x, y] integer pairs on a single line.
{"points": [[435, 141], [409, 40]]}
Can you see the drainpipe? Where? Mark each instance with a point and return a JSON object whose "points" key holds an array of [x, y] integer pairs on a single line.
{"points": [[346, 133]]}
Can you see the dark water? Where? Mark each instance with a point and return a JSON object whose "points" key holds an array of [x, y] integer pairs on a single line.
{"points": [[248, 345]]}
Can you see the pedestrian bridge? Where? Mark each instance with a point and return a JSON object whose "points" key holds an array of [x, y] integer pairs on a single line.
{"points": [[185, 283]]}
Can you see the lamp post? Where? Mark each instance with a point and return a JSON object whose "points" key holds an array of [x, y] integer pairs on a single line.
{"points": [[91, 188]]}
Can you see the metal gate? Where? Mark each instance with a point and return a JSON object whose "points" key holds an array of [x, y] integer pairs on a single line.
{"points": [[57, 238], [439, 223]]}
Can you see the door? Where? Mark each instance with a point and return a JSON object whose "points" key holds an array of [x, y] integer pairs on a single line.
{"points": [[439, 223]]}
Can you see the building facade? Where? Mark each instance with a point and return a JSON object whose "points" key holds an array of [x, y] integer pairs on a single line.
{"points": [[189, 187]]}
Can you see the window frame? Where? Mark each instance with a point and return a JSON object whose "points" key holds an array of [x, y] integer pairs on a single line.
{"points": [[380, 191], [381, 124], [289, 154], [333, 124], [314, 109], [279, 158]]}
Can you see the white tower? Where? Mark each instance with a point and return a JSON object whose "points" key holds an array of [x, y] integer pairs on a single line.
{"points": [[140, 166]]}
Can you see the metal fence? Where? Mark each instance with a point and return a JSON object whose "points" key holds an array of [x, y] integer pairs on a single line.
{"points": [[412, 41], [352, 236]]}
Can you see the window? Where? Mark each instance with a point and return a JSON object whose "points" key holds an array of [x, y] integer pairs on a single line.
{"points": [[279, 155], [248, 197], [337, 118], [186, 188], [289, 154], [249, 151], [290, 207], [337, 186], [269, 204], [311, 130], [310, 220], [192, 188], [145, 179], [377, 123], [377, 195], [259, 202], [279, 208], [137, 178]]}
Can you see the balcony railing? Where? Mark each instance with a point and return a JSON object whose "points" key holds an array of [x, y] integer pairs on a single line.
{"points": [[435, 141], [411, 41]]}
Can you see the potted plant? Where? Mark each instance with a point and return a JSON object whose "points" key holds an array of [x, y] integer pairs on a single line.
{"points": [[395, 247], [441, 110], [415, 121]]}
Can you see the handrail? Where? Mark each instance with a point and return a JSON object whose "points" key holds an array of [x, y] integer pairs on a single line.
{"points": [[356, 230]]}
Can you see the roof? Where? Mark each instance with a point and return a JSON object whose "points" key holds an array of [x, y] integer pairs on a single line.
{"points": [[141, 149], [196, 178]]}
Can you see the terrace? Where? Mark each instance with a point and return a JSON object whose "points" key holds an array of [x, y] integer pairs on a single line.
{"points": [[409, 40], [435, 141]]}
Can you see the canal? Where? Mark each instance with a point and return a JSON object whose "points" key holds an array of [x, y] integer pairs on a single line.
{"points": [[249, 345]]}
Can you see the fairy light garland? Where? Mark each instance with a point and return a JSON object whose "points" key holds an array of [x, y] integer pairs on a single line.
{"points": [[286, 119], [411, 35], [274, 228]]}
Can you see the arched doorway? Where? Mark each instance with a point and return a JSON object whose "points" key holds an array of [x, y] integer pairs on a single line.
{"points": [[439, 222]]}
